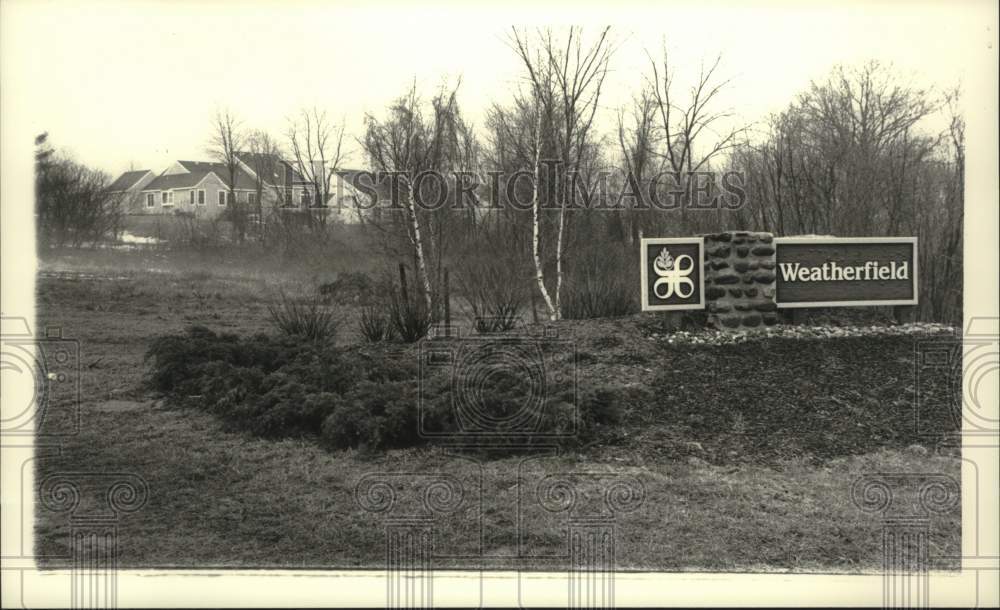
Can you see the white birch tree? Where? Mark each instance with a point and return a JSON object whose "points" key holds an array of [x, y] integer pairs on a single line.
{"points": [[566, 78]]}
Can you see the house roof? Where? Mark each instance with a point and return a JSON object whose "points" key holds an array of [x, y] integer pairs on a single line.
{"points": [[196, 172], [368, 181], [127, 180], [276, 164]]}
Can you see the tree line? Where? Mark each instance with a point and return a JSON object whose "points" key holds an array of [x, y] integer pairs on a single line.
{"points": [[855, 154], [72, 204]]}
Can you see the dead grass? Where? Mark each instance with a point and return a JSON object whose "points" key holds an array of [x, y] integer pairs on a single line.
{"points": [[221, 498]]}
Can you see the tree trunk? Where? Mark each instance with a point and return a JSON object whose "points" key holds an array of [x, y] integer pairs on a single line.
{"points": [[539, 274], [559, 253], [418, 247]]}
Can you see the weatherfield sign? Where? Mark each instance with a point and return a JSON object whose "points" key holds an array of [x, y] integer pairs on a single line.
{"points": [[845, 272]]}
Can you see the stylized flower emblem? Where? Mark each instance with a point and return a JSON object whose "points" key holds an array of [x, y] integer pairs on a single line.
{"points": [[675, 280]]}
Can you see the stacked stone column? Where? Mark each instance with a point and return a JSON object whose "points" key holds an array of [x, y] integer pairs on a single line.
{"points": [[739, 280]]}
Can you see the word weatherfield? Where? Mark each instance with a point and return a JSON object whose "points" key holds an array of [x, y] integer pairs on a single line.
{"points": [[845, 272]]}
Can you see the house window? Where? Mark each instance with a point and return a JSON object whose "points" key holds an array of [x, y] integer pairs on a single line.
{"points": [[167, 198], [305, 199], [252, 198], [222, 198], [191, 197], [150, 200], [201, 197]]}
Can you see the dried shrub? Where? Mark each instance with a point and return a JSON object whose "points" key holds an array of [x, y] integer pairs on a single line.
{"points": [[600, 284], [409, 314], [306, 318], [410, 318], [494, 288], [376, 324]]}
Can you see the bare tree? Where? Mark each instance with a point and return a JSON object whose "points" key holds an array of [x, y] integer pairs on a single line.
{"points": [[406, 144], [228, 140], [691, 131], [861, 122], [635, 142], [265, 161], [565, 78], [317, 147]]}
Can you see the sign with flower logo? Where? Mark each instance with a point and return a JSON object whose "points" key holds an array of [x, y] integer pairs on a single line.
{"points": [[672, 273]]}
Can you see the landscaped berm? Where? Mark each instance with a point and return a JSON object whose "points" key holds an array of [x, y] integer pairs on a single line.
{"points": [[265, 426]]}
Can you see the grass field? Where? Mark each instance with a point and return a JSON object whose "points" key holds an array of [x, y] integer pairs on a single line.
{"points": [[725, 486]]}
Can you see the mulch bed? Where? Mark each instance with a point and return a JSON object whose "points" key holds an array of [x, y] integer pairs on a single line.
{"points": [[793, 393]]}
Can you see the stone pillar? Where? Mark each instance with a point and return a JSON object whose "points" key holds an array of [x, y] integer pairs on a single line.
{"points": [[739, 280]]}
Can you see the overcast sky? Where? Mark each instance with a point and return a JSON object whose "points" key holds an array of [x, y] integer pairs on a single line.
{"points": [[120, 83]]}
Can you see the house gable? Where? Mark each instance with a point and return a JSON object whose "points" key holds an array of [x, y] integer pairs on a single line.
{"points": [[177, 167], [284, 173], [133, 180]]}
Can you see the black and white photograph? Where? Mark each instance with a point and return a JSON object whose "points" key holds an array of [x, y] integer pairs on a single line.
{"points": [[523, 305]]}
